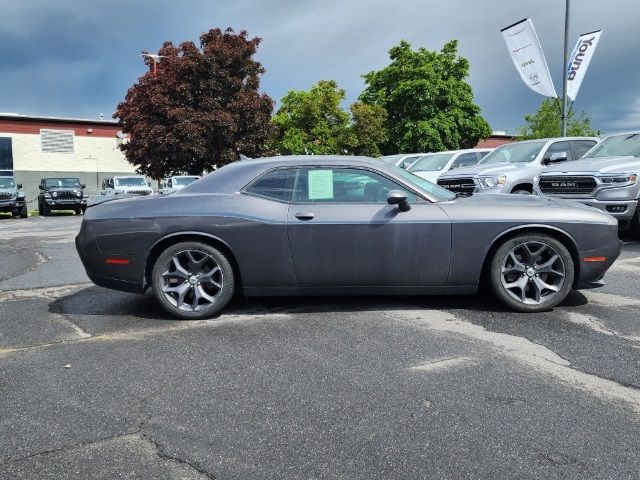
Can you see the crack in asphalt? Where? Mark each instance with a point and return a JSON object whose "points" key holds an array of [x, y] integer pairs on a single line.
{"points": [[41, 258], [139, 334], [162, 453], [536, 356]]}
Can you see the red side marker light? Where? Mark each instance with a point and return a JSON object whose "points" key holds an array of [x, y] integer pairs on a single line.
{"points": [[117, 261], [594, 259]]}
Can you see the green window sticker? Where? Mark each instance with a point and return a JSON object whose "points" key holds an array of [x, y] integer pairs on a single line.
{"points": [[320, 184]]}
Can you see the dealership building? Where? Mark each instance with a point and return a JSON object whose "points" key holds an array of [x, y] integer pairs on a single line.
{"points": [[35, 147]]}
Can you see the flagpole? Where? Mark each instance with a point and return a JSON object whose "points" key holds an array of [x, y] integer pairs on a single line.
{"points": [[564, 70]]}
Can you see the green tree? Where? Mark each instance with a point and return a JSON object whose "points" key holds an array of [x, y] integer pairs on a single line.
{"points": [[546, 123], [369, 128], [429, 103], [313, 121]]}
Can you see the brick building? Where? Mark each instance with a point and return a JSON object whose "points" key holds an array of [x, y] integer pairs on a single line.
{"points": [[496, 139], [35, 147]]}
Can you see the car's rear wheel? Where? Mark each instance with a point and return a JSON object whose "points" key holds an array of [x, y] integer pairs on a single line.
{"points": [[192, 280], [531, 273]]}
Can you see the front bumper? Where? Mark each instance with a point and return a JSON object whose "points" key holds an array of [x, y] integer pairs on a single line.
{"points": [[65, 204], [11, 205], [590, 274]]}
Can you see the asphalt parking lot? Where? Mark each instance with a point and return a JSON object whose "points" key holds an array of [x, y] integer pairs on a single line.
{"points": [[101, 384]]}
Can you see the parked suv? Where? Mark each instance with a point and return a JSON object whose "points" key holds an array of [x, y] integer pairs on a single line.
{"points": [[61, 194], [12, 199], [512, 168], [175, 183], [432, 165], [605, 178], [126, 185], [403, 160]]}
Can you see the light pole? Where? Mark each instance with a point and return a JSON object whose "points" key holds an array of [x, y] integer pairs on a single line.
{"points": [[154, 58], [565, 59]]}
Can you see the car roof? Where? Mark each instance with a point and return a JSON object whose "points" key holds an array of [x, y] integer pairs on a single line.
{"points": [[232, 177]]}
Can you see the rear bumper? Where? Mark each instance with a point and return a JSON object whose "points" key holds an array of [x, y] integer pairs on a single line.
{"points": [[124, 277]]}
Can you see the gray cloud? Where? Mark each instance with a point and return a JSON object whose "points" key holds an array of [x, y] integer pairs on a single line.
{"points": [[78, 58]]}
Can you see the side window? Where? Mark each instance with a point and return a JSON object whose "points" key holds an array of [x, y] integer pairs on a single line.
{"points": [[481, 155], [580, 147], [343, 185], [170, 183], [465, 160], [276, 184], [558, 147]]}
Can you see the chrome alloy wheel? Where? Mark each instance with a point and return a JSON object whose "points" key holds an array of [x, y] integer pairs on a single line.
{"points": [[191, 280], [533, 273]]}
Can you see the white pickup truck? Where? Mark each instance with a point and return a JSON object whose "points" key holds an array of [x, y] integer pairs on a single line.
{"points": [[606, 177], [175, 183]]}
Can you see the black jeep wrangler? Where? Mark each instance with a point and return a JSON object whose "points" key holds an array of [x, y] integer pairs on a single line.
{"points": [[12, 200], [61, 194]]}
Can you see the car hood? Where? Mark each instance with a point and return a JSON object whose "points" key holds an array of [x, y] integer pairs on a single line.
{"points": [[628, 164], [523, 209], [491, 169]]}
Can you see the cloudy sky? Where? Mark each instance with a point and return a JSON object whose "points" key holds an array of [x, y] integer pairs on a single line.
{"points": [[77, 58]]}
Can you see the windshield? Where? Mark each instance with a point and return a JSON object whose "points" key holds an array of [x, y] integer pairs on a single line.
{"points": [[7, 183], [616, 146], [431, 163], [184, 181], [62, 182], [520, 152], [131, 182], [439, 193], [390, 158]]}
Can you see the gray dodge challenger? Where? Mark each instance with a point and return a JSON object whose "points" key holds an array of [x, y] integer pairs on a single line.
{"points": [[318, 225]]}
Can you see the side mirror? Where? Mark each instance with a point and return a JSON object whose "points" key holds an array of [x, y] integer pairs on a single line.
{"points": [[39, 186], [19, 185], [556, 157], [83, 186], [399, 198], [406, 165]]}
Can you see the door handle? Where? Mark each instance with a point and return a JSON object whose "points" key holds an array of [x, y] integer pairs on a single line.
{"points": [[305, 216]]}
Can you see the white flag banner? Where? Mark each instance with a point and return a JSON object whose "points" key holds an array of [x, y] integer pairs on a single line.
{"points": [[579, 61], [528, 58]]}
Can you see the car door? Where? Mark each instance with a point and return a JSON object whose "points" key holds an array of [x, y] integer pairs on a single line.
{"points": [[342, 232]]}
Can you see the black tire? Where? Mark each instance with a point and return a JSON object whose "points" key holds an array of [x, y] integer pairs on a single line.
{"points": [[528, 279], [40, 209], [84, 209], [222, 297], [634, 226], [15, 213], [46, 210], [24, 213], [77, 210]]}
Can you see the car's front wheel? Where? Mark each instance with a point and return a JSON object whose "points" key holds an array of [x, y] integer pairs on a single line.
{"points": [[531, 273], [192, 280]]}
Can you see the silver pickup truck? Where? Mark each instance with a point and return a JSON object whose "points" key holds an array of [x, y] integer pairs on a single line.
{"points": [[605, 178], [512, 168]]}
